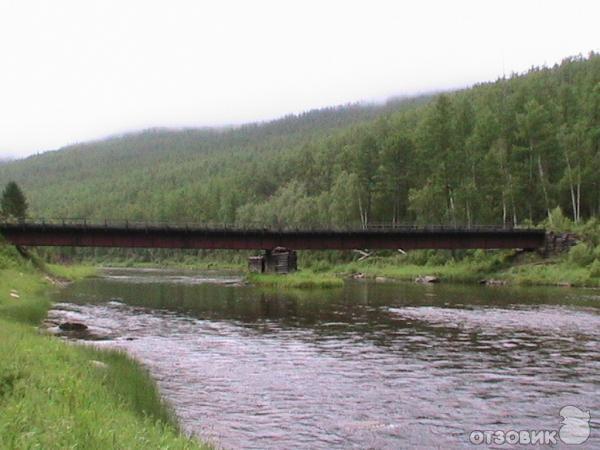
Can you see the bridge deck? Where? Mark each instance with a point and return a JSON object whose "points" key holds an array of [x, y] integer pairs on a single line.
{"points": [[164, 236]]}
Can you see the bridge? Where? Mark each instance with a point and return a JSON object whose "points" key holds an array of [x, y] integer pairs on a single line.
{"points": [[276, 243], [141, 235]]}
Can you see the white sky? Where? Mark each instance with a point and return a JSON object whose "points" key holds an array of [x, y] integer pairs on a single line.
{"points": [[71, 71]]}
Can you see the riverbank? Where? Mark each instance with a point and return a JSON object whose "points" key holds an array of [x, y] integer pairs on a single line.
{"points": [[578, 268], [57, 395], [70, 273], [532, 273]]}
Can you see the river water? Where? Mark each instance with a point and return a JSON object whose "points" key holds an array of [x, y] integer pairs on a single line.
{"points": [[369, 365]]}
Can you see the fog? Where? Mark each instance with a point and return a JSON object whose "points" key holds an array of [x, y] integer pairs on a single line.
{"points": [[73, 71]]}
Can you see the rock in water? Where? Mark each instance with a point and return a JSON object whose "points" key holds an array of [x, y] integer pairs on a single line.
{"points": [[427, 279], [73, 326], [492, 282]]}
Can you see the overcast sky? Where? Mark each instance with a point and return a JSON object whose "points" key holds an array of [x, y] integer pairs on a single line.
{"points": [[71, 71]]}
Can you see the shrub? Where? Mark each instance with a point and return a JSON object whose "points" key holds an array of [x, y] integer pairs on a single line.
{"points": [[595, 269], [558, 222], [580, 255], [320, 266], [439, 257], [479, 255], [9, 256], [590, 231], [417, 257]]}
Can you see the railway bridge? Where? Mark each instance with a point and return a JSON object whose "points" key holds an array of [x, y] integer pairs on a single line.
{"points": [[82, 233]]}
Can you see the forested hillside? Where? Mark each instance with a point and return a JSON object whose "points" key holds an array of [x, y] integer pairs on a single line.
{"points": [[507, 151]]}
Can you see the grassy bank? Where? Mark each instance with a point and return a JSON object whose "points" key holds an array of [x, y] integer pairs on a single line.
{"points": [[576, 268], [303, 279], [54, 395], [71, 272], [533, 271]]}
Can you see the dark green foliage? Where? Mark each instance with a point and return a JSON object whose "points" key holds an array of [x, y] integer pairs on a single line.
{"points": [[510, 151], [13, 201]]}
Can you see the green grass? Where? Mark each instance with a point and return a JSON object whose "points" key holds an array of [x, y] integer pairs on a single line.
{"points": [[71, 272], [551, 275], [303, 279], [54, 395], [465, 272], [460, 273], [526, 269], [31, 306]]}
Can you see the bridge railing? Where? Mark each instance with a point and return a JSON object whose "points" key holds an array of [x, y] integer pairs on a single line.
{"points": [[250, 226]]}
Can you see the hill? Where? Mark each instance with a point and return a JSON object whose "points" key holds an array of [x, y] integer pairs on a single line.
{"points": [[506, 151]]}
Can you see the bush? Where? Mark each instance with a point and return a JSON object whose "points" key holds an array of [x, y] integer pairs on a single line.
{"points": [[590, 231], [439, 257], [580, 255], [417, 257], [480, 255], [558, 222], [320, 266], [595, 269], [9, 257]]}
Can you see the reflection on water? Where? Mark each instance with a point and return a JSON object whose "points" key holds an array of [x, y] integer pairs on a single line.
{"points": [[370, 365]]}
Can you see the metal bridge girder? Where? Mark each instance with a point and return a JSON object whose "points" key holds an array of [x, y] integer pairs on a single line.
{"points": [[89, 235]]}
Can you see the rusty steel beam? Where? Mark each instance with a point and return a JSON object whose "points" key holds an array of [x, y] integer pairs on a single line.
{"points": [[237, 239]]}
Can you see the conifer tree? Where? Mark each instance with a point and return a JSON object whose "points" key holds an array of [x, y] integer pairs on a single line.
{"points": [[13, 201]]}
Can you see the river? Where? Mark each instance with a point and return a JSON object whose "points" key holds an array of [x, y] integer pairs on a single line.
{"points": [[369, 365]]}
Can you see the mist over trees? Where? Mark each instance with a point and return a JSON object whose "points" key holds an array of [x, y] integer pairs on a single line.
{"points": [[506, 152]]}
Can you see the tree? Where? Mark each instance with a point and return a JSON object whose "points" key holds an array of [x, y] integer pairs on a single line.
{"points": [[397, 154], [344, 207], [364, 164], [572, 145], [13, 201], [437, 149], [534, 128]]}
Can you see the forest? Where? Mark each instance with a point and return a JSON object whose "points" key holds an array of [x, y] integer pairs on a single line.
{"points": [[506, 152]]}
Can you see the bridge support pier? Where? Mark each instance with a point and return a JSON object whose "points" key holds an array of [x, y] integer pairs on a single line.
{"points": [[279, 260]]}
